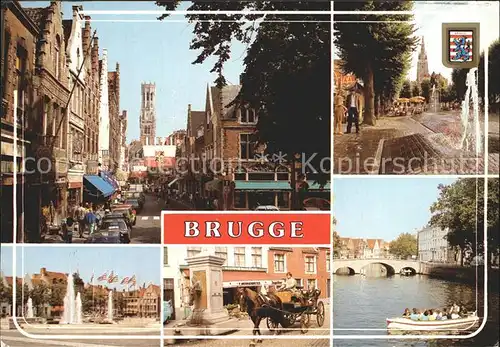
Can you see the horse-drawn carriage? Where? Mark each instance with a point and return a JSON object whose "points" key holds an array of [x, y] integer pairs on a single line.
{"points": [[299, 306]]}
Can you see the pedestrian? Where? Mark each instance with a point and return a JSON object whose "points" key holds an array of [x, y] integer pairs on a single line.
{"points": [[353, 109], [339, 113], [91, 221], [69, 229], [80, 218]]}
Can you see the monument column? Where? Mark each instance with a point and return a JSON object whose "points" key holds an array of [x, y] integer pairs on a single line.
{"points": [[205, 270]]}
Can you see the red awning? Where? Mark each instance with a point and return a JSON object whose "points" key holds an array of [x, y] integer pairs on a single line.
{"points": [[153, 162]]}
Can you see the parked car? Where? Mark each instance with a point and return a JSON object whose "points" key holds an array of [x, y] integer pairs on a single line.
{"points": [[134, 203], [107, 237], [126, 210], [116, 221]]}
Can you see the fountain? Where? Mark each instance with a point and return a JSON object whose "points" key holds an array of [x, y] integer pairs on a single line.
{"points": [[29, 309], [110, 306], [72, 313], [434, 99], [471, 128]]}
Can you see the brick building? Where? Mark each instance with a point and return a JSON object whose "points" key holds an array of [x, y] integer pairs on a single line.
{"points": [[115, 125], [227, 163], [123, 159], [363, 248], [143, 302], [19, 46]]}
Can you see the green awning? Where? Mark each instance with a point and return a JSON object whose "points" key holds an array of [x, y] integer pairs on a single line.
{"points": [[313, 186], [262, 185]]}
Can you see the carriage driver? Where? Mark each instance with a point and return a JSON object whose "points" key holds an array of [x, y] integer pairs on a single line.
{"points": [[290, 283]]}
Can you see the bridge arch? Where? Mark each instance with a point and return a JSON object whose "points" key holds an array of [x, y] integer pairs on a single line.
{"points": [[408, 271], [385, 269], [345, 271]]}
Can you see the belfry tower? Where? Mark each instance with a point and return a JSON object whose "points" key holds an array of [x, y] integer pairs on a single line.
{"points": [[422, 64], [147, 120]]}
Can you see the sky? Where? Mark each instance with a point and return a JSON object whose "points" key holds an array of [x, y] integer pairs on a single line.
{"points": [[383, 207], [429, 16], [149, 50], [144, 262]]}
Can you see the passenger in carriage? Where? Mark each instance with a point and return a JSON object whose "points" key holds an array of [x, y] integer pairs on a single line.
{"points": [[290, 283]]}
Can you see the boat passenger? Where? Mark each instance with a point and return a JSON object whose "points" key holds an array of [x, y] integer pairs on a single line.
{"points": [[432, 315], [439, 315], [425, 316], [445, 315], [414, 315], [407, 313]]}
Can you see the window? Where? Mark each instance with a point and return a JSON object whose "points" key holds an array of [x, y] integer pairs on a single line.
{"points": [[239, 199], [279, 263], [247, 147], [311, 283], [221, 252], [256, 256], [283, 199], [328, 261], [165, 256], [299, 282], [193, 251], [310, 264], [57, 53], [21, 58], [239, 256]]}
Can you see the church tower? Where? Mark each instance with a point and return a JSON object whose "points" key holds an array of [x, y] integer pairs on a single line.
{"points": [[147, 120], [422, 64]]}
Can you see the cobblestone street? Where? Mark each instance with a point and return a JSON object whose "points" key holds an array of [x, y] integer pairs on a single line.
{"points": [[406, 145]]}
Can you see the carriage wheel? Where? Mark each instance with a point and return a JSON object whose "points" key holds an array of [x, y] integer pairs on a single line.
{"points": [[271, 324], [304, 322], [320, 314]]}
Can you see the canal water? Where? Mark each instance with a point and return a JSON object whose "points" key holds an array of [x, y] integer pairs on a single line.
{"points": [[363, 303]]}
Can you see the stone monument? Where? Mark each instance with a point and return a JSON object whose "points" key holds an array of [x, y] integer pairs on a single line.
{"points": [[205, 270]]}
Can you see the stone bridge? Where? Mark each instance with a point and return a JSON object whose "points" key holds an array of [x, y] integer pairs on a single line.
{"points": [[392, 265]]}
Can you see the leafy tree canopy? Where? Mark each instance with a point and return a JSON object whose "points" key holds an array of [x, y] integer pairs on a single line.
{"points": [[404, 246], [287, 68]]}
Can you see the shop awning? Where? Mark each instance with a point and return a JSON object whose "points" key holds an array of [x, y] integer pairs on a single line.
{"points": [[262, 185], [108, 177], [170, 184], [93, 182], [316, 186]]}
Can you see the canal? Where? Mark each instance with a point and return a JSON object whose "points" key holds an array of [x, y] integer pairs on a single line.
{"points": [[364, 303]]}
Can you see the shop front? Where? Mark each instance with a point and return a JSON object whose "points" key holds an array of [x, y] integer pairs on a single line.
{"points": [[75, 187], [96, 190], [248, 195]]}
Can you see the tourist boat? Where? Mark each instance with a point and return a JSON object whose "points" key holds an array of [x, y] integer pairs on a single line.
{"points": [[405, 272], [401, 323]]}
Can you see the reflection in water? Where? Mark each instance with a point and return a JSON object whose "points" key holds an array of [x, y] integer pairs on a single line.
{"points": [[364, 303]]}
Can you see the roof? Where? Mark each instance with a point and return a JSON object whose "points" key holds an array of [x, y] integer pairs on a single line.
{"points": [[56, 275], [37, 15], [310, 250], [371, 243], [197, 119], [228, 94]]}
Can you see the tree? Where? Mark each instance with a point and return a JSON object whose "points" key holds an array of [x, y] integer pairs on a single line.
{"points": [[406, 90], [416, 90], [494, 73], [458, 77], [370, 49], [404, 246], [493, 216], [284, 59], [459, 209], [5, 293], [425, 87], [40, 295], [57, 294]]}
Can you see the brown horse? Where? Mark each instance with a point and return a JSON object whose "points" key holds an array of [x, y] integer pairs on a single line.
{"points": [[260, 306]]}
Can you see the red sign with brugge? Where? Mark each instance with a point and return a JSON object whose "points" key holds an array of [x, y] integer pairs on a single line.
{"points": [[246, 228]]}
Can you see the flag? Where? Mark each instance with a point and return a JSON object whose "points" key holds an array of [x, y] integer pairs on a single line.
{"points": [[92, 278], [112, 278], [103, 277], [132, 281], [125, 280]]}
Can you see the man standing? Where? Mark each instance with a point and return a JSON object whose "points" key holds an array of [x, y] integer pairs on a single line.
{"points": [[353, 109], [91, 221]]}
